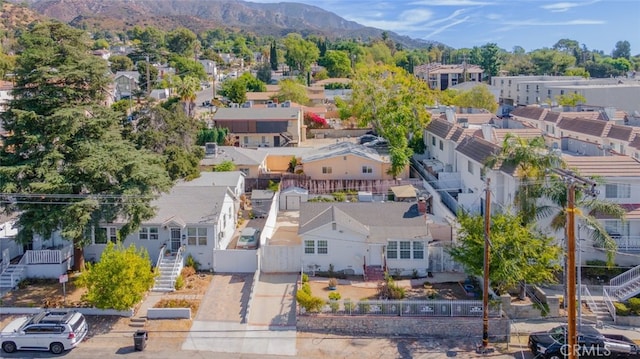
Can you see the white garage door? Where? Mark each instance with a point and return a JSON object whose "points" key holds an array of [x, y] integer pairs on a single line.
{"points": [[293, 203]]}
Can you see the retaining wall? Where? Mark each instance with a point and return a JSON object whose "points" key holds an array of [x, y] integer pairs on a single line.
{"points": [[444, 327]]}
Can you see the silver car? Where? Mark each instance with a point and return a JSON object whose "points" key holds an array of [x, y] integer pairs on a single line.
{"points": [[55, 331]]}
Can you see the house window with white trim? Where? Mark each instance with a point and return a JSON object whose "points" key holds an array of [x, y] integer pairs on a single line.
{"points": [[470, 166], [617, 190], [326, 170], [405, 250], [104, 234], [441, 145], [433, 141], [367, 169], [319, 246], [197, 236], [148, 233]]}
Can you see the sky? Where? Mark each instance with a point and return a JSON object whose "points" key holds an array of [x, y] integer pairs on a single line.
{"points": [[531, 24]]}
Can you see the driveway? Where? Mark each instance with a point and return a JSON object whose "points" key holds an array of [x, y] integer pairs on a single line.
{"points": [[220, 324]]}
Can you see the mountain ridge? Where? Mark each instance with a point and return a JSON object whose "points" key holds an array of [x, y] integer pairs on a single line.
{"points": [[276, 19]]}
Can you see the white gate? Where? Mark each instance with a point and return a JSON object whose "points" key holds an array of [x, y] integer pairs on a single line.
{"points": [[281, 259]]}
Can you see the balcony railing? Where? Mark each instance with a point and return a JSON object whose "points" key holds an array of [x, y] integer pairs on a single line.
{"points": [[628, 243], [48, 256]]}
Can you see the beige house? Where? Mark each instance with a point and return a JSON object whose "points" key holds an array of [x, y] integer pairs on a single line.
{"points": [[441, 77], [248, 161], [346, 160], [262, 127]]}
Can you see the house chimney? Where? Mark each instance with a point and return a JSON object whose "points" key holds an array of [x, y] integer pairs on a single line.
{"points": [[422, 205], [448, 112]]}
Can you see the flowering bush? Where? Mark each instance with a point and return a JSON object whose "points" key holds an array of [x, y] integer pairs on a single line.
{"points": [[312, 120]]}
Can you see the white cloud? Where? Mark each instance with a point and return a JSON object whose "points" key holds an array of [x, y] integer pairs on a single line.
{"points": [[494, 16], [566, 6], [557, 23], [406, 20], [441, 29]]}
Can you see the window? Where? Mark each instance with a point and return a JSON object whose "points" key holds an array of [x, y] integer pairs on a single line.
{"points": [[334, 226], [148, 233], [418, 250], [263, 139], [483, 173], [441, 145], [433, 141], [320, 246], [102, 235], [323, 247], [309, 247], [197, 236], [405, 250], [367, 169], [392, 250], [561, 92], [617, 190], [470, 166], [326, 170]]}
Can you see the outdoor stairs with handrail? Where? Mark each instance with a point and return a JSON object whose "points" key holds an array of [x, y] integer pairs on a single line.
{"points": [[168, 272], [373, 273], [622, 287]]}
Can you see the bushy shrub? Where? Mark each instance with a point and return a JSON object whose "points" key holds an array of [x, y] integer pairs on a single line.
{"points": [[179, 283], [335, 296], [333, 282], [349, 306], [187, 272], [621, 309], [634, 305], [305, 278], [193, 263], [390, 290], [307, 301], [339, 196]]}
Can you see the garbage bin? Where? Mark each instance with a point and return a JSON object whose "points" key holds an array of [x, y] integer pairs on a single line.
{"points": [[140, 338]]}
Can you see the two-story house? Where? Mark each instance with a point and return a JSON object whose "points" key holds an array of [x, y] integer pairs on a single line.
{"points": [[262, 127]]}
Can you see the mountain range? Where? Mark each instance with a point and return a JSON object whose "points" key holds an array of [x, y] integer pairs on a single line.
{"points": [[275, 19]]}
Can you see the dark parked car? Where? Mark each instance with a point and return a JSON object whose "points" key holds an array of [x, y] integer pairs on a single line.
{"points": [[366, 138], [590, 344]]}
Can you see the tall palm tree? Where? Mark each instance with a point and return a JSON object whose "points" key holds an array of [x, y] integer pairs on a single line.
{"points": [[586, 208], [187, 89], [530, 159]]}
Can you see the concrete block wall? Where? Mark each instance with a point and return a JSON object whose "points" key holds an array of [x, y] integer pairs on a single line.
{"points": [[449, 327]]}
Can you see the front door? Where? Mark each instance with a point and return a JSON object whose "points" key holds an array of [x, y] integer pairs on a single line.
{"points": [[276, 141], [175, 239], [375, 255]]}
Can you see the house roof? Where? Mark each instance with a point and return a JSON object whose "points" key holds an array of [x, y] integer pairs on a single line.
{"points": [[228, 179], [401, 219], [343, 149], [475, 118], [530, 112], [477, 148], [260, 96], [134, 75], [238, 155], [262, 194], [585, 126], [603, 166], [632, 211], [406, 191], [635, 142], [254, 113], [500, 133], [296, 190], [441, 128], [551, 116], [189, 205], [623, 133], [286, 151]]}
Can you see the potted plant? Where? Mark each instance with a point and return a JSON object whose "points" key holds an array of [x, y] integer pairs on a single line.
{"points": [[333, 284]]}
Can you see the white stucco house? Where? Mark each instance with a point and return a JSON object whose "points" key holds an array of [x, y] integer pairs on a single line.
{"points": [[352, 238], [199, 215]]}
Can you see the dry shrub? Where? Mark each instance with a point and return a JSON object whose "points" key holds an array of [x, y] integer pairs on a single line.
{"points": [[188, 272]]}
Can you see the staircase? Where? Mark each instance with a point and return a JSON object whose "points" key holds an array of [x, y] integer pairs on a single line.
{"points": [[621, 288], [11, 276], [169, 268], [373, 273], [287, 139]]}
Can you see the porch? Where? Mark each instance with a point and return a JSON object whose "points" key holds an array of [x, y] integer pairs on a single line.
{"points": [[43, 263]]}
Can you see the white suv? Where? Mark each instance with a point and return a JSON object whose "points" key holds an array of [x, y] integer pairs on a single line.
{"points": [[51, 330]]}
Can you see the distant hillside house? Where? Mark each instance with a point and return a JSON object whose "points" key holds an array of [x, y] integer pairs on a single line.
{"points": [[261, 127], [127, 82], [441, 77]]}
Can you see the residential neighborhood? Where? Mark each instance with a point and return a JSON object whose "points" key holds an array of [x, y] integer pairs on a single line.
{"points": [[224, 193]]}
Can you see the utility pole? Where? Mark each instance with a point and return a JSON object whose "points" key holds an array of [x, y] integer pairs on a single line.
{"points": [[485, 282], [148, 79], [589, 187], [215, 74]]}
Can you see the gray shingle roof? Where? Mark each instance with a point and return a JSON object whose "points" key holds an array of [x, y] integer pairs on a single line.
{"points": [[238, 155], [401, 219], [585, 126], [618, 132], [227, 179], [342, 149], [477, 149], [529, 112], [277, 113], [190, 205], [441, 128]]}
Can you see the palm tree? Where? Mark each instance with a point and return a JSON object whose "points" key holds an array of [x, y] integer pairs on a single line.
{"points": [[530, 159], [585, 209], [187, 89]]}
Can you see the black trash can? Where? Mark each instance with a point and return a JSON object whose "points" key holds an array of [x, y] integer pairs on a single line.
{"points": [[140, 338]]}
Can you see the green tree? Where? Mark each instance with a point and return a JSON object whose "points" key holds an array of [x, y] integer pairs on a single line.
{"points": [[100, 44], [187, 89], [577, 71], [66, 145], [300, 53], [477, 97], [531, 159], [571, 99], [186, 66], [551, 62], [251, 83], [225, 166], [491, 60], [273, 56], [292, 91], [518, 253], [622, 50], [395, 104], [147, 84], [337, 63], [119, 280], [120, 63], [263, 72], [182, 41], [235, 90]]}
